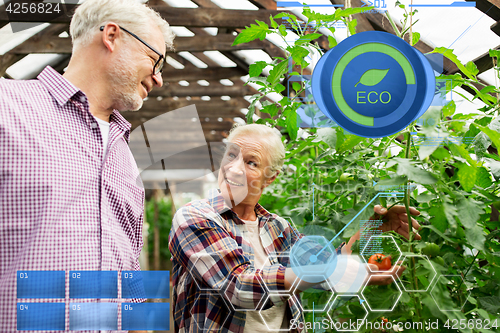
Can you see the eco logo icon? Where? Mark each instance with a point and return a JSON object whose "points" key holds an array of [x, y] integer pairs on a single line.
{"points": [[373, 84]]}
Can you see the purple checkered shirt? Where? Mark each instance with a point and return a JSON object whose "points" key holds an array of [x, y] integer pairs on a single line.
{"points": [[62, 205]]}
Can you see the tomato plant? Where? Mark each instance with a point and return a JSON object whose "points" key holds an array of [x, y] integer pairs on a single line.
{"points": [[453, 273]]}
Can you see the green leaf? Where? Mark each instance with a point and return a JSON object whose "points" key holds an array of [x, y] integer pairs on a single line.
{"points": [[461, 151], [307, 38], [349, 142], [327, 135], [277, 72], [448, 53], [433, 228], [256, 68], [439, 218], [472, 68], [494, 53], [273, 22], [279, 88], [282, 30], [467, 176], [296, 86], [415, 38], [351, 11], [351, 25], [476, 237], [332, 42], [259, 30], [251, 109], [483, 178], [493, 135], [441, 154], [469, 212], [271, 109], [425, 150], [451, 212], [449, 109], [298, 54], [372, 77], [405, 168], [292, 125]]}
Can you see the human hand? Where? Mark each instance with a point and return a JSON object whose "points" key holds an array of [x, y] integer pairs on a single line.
{"points": [[397, 220]]}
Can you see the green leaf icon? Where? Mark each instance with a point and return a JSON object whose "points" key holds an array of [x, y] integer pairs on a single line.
{"points": [[372, 77]]}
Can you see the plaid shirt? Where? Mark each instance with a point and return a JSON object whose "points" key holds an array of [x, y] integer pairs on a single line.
{"points": [[215, 281], [62, 205]]}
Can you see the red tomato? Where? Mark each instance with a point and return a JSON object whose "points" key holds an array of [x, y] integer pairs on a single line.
{"points": [[383, 262]]}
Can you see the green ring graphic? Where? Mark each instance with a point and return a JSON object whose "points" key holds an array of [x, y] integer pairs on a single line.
{"points": [[347, 58]]}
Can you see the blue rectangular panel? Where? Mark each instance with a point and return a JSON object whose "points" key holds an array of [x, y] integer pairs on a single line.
{"points": [[40, 284], [146, 316], [40, 316], [145, 284], [93, 284], [93, 316]]}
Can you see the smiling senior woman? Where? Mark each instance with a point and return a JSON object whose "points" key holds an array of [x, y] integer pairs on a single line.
{"points": [[225, 246]]}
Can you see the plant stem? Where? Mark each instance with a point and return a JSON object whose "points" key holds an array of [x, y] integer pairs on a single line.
{"points": [[411, 23], [468, 269], [410, 230], [393, 24]]}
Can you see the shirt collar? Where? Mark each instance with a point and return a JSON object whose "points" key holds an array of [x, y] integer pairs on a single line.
{"points": [[122, 123], [60, 88], [217, 201]]}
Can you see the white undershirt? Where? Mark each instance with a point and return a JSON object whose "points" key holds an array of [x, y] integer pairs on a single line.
{"points": [[274, 315], [104, 127]]}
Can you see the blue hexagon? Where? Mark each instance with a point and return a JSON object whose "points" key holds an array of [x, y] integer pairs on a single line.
{"points": [[312, 258]]}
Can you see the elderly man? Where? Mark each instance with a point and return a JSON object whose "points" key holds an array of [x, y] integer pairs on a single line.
{"points": [[223, 246], [69, 198]]}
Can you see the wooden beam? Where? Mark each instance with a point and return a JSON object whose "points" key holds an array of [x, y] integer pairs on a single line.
{"points": [[203, 111], [55, 44], [267, 4], [188, 17], [202, 74], [483, 62], [183, 138], [489, 7], [10, 58], [169, 104], [194, 89], [2, 10]]}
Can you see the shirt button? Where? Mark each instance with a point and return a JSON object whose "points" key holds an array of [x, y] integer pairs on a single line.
{"points": [[83, 99], [93, 125]]}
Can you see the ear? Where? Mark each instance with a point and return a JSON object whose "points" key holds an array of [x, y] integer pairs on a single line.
{"points": [[110, 33], [270, 180]]}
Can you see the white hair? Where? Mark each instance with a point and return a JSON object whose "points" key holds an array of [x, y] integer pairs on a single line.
{"points": [[131, 14], [273, 143]]}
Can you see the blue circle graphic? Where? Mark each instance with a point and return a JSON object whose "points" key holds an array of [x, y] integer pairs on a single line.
{"points": [[373, 84], [376, 100]]}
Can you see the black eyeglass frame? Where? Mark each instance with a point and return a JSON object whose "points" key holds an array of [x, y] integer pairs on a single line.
{"points": [[162, 57]]}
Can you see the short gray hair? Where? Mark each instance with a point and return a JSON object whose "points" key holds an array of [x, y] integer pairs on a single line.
{"points": [[273, 143], [132, 14]]}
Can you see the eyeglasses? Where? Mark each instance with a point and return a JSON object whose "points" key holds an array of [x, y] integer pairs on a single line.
{"points": [[158, 67]]}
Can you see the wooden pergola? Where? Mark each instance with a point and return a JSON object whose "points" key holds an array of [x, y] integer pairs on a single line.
{"points": [[216, 114]]}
